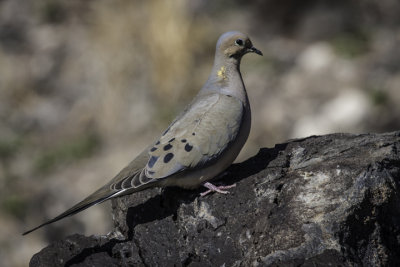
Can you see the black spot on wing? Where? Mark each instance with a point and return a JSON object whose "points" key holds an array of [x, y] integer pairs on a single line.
{"points": [[152, 161], [168, 157], [171, 140], [193, 133], [158, 142], [183, 140], [153, 149], [167, 147], [188, 147]]}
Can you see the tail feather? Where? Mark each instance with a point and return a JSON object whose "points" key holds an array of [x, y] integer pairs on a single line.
{"points": [[130, 173], [84, 204]]}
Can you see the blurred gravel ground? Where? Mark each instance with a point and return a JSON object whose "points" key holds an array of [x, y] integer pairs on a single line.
{"points": [[85, 85]]}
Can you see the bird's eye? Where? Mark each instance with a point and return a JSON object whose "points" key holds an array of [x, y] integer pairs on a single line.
{"points": [[239, 42]]}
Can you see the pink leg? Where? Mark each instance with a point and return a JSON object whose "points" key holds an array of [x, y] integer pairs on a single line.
{"points": [[213, 188]]}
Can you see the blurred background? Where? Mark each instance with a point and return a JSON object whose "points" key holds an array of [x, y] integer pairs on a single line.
{"points": [[86, 85]]}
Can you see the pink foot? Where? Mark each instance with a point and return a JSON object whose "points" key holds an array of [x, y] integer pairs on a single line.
{"points": [[213, 188]]}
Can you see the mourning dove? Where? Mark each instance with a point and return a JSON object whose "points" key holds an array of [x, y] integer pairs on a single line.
{"points": [[200, 143]]}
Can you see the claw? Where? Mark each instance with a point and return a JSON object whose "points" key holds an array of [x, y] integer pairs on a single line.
{"points": [[218, 189]]}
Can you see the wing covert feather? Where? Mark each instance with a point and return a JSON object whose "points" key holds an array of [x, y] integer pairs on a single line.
{"points": [[197, 137]]}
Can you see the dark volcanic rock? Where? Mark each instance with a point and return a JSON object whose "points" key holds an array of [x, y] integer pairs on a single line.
{"points": [[323, 200]]}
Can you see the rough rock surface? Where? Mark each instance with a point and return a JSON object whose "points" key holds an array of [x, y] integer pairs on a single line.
{"points": [[323, 200]]}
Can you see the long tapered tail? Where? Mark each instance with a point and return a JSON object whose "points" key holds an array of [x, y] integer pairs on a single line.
{"points": [[127, 181], [96, 198]]}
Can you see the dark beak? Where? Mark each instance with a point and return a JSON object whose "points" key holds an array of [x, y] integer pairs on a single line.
{"points": [[255, 50]]}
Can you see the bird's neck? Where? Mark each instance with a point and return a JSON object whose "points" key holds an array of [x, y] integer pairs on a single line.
{"points": [[225, 78], [223, 69]]}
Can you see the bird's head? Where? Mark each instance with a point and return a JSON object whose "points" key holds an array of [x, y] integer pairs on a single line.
{"points": [[235, 44]]}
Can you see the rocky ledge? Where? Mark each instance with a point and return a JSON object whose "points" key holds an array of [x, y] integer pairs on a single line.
{"points": [[323, 200]]}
